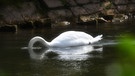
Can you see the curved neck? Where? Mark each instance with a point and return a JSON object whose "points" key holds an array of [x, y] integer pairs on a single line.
{"points": [[38, 39]]}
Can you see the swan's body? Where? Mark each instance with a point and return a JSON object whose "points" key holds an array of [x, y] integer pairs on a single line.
{"points": [[67, 39]]}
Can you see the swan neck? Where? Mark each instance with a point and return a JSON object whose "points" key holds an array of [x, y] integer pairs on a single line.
{"points": [[38, 39]]}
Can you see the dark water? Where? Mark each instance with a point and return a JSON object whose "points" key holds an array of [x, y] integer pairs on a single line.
{"points": [[15, 61]]}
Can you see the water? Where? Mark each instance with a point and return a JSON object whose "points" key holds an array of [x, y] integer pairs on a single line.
{"points": [[16, 60]]}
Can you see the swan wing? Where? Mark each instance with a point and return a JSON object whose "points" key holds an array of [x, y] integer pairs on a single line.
{"points": [[71, 38]]}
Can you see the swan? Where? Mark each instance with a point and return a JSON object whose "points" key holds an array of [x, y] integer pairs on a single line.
{"points": [[67, 39]]}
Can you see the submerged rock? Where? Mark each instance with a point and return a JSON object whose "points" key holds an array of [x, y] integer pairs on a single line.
{"points": [[119, 18], [61, 23]]}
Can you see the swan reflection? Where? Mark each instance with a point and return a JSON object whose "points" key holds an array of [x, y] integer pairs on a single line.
{"points": [[70, 53]]}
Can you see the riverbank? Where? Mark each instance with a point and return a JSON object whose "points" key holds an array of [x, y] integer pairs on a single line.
{"points": [[27, 14]]}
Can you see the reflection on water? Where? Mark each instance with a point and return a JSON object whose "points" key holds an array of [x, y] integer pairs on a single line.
{"points": [[71, 61], [69, 53]]}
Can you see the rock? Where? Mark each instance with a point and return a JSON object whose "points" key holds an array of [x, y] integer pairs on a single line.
{"points": [[53, 3], [91, 19], [78, 11], [88, 18], [26, 25], [59, 14], [106, 4], [108, 17], [31, 24], [108, 8], [71, 2], [28, 12], [122, 8], [132, 1], [12, 13], [8, 28], [120, 1], [82, 1], [62, 23], [131, 8], [92, 8], [110, 12], [94, 1], [119, 18]]}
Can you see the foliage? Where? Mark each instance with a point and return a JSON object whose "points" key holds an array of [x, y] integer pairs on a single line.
{"points": [[126, 64], [127, 46], [127, 51]]}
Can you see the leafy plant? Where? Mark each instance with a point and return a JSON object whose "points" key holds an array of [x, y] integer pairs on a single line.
{"points": [[127, 46], [126, 63]]}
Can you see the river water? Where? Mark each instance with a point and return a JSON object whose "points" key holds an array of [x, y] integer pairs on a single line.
{"points": [[17, 60]]}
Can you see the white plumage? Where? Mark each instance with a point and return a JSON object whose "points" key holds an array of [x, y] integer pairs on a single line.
{"points": [[67, 39]]}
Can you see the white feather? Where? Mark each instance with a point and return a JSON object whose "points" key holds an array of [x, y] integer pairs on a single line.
{"points": [[67, 39]]}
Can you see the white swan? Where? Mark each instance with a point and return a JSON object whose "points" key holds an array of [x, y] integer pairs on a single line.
{"points": [[67, 39]]}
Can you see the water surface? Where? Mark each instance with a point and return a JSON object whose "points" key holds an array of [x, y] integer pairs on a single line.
{"points": [[15, 61]]}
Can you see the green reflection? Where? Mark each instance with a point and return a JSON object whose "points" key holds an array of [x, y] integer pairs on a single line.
{"points": [[3, 73]]}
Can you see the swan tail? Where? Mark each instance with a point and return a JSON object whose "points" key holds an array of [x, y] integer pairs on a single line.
{"points": [[38, 39], [97, 38]]}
